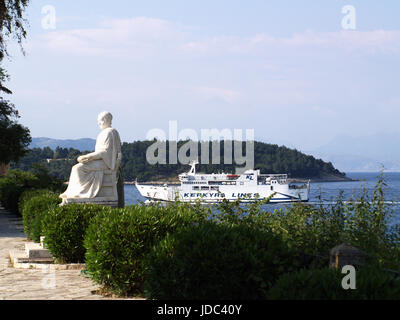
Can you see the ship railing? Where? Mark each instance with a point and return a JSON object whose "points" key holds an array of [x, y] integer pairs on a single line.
{"points": [[292, 180], [294, 183], [274, 176], [158, 183]]}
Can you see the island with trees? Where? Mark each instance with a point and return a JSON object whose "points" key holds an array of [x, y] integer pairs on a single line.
{"points": [[269, 158]]}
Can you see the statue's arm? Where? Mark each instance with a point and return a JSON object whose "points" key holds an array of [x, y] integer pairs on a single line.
{"points": [[90, 157], [105, 143]]}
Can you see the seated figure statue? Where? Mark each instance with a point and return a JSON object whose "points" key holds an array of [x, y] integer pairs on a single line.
{"points": [[96, 178]]}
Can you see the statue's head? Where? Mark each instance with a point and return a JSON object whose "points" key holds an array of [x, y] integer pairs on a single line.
{"points": [[104, 120]]}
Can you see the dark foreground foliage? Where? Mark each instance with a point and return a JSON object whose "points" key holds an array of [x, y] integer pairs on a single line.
{"points": [[65, 228], [118, 241], [33, 206], [231, 251]]}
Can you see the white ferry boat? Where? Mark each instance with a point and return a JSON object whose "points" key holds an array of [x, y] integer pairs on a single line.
{"points": [[248, 187]]}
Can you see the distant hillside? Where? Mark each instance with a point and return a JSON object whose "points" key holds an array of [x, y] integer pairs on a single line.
{"points": [[269, 158], [355, 163], [364, 153], [79, 144], [377, 146]]}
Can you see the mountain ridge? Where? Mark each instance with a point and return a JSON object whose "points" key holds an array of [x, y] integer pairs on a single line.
{"points": [[83, 144]]}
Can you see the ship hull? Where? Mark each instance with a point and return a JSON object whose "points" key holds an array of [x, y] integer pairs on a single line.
{"points": [[248, 194]]}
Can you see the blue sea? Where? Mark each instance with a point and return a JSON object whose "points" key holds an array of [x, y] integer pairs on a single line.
{"points": [[328, 191]]}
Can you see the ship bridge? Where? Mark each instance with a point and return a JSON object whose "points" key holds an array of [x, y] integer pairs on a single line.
{"points": [[249, 177]]}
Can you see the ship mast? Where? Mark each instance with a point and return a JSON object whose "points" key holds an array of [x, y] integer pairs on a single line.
{"points": [[192, 170]]}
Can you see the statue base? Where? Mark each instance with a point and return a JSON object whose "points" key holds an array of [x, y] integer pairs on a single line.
{"points": [[99, 201], [111, 192]]}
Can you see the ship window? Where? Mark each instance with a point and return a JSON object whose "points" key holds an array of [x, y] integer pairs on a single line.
{"points": [[242, 183], [205, 188], [272, 188], [214, 188], [195, 188]]}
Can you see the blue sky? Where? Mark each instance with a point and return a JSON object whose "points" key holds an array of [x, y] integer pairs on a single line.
{"points": [[287, 70]]}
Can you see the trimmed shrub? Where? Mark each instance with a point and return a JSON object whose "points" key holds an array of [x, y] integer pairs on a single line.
{"points": [[34, 205], [117, 243], [65, 228], [326, 284], [217, 261]]}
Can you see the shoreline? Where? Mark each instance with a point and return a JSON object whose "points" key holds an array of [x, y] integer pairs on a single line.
{"points": [[312, 180], [324, 180]]}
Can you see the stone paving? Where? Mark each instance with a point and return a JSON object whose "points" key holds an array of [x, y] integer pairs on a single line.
{"points": [[36, 284]]}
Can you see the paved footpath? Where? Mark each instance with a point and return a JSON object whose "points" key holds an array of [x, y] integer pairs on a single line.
{"points": [[36, 284]]}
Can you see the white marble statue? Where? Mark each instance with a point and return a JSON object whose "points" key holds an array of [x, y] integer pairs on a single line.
{"points": [[86, 180]]}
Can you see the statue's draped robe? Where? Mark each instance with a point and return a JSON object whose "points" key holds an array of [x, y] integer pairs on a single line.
{"points": [[86, 179]]}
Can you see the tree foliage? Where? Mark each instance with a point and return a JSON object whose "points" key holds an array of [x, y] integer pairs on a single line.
{"points": [[12, 23], [14, 138], [268, 158], [58, 163]]}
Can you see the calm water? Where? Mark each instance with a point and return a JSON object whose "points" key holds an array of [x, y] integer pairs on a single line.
{"points": [[329, 190]]}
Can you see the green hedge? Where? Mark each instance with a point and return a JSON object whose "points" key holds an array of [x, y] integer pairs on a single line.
{"points": [[217, 261], [326, 284], [34, 206], [118, 242], [65, 228]]}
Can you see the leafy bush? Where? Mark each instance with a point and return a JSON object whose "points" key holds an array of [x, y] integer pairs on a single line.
{"points": [[117, 242], [217, 261], [15, 182], [34, 206], [326, 284], [29, 194], [12, 185], [311, 230], [365, 222], [65, 228], [368, 226], [46, 179]]}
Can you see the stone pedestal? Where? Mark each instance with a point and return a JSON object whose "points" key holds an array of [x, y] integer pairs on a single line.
{"points": [[35, 256], [346, 254], [35, 251], [4, 168], [111, 194]]}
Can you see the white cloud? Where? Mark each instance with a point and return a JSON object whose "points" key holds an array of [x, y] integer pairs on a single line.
{"points": [[136, 37], [296, 76], [142, 36], [367, 41]]}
